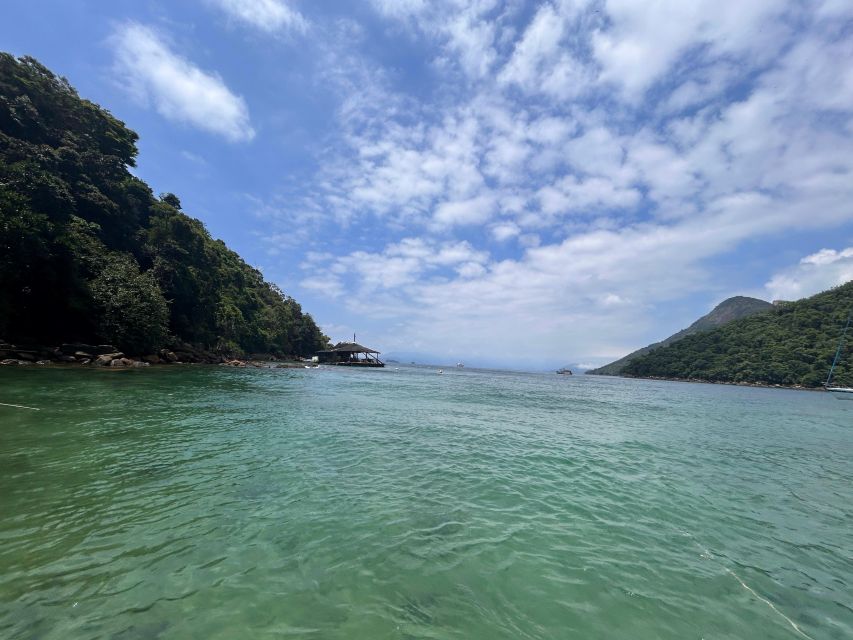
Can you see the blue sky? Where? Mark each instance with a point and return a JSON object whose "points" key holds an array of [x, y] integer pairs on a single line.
{"points": [[526, 183]]}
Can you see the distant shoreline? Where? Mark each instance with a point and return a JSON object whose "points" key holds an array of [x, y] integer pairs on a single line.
{"points": [[761, 385]]}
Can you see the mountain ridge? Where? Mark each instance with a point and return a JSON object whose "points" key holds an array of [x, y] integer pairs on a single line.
{"points": [[793, 345], [727, 311]]}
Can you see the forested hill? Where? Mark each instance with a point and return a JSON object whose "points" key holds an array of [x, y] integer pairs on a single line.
{"points": [[790, 345], [725, 312], [88, 253]]}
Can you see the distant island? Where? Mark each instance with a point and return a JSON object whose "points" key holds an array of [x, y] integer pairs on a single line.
{"points": [[788, 344], [88, 254]]}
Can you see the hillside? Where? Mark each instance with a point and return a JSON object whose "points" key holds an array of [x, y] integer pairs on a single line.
{"points": [[89, 254], [728, 310], [792, 345]]}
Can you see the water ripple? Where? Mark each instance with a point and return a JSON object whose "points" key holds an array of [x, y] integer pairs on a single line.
{"points": [[196, 502]]}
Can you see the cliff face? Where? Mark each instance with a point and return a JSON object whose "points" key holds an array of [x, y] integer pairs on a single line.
{"points": [[725, 312]]}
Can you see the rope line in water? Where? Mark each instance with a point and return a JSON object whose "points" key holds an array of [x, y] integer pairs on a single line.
{"points": [[769, 604], [793, 624], [18, 406]]}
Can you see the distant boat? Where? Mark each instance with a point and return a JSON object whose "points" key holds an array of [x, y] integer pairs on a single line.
{"points": [[460, 364], [564, 371], [844, 392]]}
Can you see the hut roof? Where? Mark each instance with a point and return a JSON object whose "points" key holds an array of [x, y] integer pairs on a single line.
{"points": [[351, 347]]}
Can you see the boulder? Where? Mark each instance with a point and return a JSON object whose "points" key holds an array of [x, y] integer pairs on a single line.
{"points": [[100, 349], [67, 359], [151, 359], [8, 361], [43, 362], [168, 356], [82, 355], [26, 355], [106, 359], [138, 363]]}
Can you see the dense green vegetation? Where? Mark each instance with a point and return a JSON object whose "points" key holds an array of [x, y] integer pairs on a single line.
{"points": [[88, 253], [791, 345], [725, 312]]}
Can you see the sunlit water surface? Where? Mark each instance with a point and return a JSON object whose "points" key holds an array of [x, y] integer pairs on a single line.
{"points": [[203, 502]]}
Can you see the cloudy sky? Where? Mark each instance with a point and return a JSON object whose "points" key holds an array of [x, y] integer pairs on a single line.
{"points": [[526, 183]]}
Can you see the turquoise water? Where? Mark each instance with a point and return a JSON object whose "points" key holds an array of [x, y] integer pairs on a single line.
{"points": [[204, 502]]}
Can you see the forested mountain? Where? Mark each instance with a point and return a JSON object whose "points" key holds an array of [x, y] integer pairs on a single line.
{"points": [[793, 344], [723, 313], [88, 253]]}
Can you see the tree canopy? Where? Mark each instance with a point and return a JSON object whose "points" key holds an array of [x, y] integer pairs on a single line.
{"points": [[793, 344], [88, 253]]}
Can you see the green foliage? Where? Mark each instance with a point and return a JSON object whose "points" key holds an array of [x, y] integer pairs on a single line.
{"points": [[87, 253], [792, 345], [725, 312], [131, 310]]}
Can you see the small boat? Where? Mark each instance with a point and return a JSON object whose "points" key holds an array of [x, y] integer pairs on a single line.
{"points": [[843, 392], [460, 364], [564, 371]]}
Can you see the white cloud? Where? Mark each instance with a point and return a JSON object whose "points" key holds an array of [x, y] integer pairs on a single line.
{"points": [[179, 90], [570, 195], [505, 230], [815, 273], [266, 15], [541, 62], [461, 212], [593, 199], [644, 40]]}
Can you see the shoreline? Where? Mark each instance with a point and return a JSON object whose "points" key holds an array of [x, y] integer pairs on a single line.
{"points": [[759, 385], [109, 356]]}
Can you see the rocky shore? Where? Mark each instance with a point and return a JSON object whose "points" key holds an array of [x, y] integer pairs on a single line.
{"points": [[761, 385], [107, 355]]}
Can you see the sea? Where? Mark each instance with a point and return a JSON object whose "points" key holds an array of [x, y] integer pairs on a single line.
{"points": [[218, 503]]}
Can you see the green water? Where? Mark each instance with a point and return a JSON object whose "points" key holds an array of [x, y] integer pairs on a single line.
{"points": [[203, 502]]}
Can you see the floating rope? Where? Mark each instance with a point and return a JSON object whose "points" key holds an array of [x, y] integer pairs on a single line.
{"points": [[794, 625], [769, 604], [18, 406]]}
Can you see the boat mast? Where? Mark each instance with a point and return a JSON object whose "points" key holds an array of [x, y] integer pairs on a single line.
{"points": [[840, 345]]}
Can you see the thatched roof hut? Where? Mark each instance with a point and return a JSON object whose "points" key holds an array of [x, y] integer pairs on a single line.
{"points": [[350, 354]]}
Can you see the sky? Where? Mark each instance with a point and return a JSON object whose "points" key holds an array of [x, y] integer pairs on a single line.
{"points": [[527, 184]]}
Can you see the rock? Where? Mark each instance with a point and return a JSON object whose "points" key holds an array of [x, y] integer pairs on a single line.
{"points": [[82, 354], [137, 363], [43, 362], [8, 361], [106, 359], [85, 361], [26, 355], [168, 356], [67, 359], [152, 359], [100, 349], [127, 362]]}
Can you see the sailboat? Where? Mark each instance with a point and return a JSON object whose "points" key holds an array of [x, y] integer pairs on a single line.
{"points": [[842, 391]]}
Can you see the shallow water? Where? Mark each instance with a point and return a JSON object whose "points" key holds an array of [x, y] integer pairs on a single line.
{"points": [[204, 502]]}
